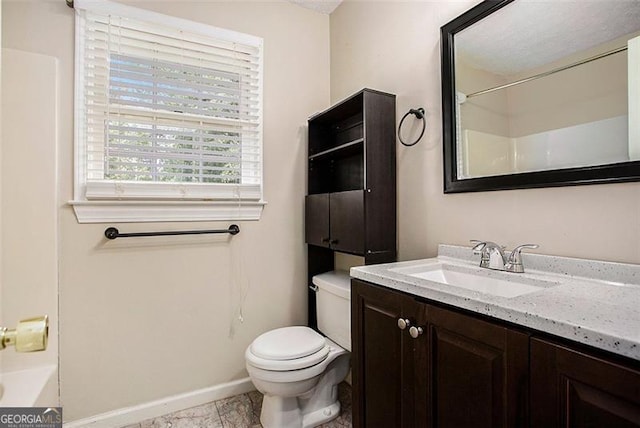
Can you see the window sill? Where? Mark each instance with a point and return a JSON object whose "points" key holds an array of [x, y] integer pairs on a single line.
{"points": [[165, 211]]}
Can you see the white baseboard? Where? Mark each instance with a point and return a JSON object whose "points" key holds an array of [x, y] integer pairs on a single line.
{"points": [[141, 412]]}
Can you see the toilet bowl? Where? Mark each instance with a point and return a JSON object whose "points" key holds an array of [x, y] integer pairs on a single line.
{"points": [[302, 391], [297, 369]]}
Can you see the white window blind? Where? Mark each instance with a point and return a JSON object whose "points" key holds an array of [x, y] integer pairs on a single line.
{"points": [[166, 109]]}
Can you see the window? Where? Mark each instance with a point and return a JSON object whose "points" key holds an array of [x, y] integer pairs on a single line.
{"points": [[168, 118]]}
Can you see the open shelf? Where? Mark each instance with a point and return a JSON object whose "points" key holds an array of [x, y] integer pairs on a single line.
{"points": [[336, 174], [345, 149]]}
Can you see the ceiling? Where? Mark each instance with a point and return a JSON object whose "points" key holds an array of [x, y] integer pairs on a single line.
{"points": [[322, 6], [527, 34]]}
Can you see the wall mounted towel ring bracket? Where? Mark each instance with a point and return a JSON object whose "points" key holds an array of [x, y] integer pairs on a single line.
{"points": [[419, 114]]}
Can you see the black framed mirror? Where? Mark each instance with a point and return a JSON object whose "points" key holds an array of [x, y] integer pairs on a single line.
{"points": [[541, 94]]}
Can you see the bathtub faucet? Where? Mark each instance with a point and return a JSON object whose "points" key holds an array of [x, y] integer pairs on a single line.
{"points": [[30, 335]]}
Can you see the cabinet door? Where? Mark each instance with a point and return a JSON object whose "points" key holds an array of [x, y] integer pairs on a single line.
{"points": [[572, 389], [347, 221], [474, 373], [381, 357], [316, 208]]}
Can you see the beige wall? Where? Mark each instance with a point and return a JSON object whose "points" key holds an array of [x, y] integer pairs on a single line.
{"points": [[143, 319], [394, 46], [29, 217]]}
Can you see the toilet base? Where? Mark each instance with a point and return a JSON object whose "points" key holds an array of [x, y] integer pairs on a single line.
{"points": [[278, 412], [321, 416], [299, 401]]}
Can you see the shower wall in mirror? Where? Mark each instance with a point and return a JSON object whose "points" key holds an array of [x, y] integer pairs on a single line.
{"points": [[541, 86]]}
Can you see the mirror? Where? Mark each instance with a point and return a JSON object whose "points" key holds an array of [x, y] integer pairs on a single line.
{"points": [[541, 93]]}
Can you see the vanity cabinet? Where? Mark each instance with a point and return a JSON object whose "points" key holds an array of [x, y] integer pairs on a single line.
{"points": [[570, 388], [455, 369], [350, 206], [474, 373], [445, 369], [383, 357]]}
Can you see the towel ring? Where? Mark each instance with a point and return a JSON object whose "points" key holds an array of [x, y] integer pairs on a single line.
{"points": [[419, 114]]}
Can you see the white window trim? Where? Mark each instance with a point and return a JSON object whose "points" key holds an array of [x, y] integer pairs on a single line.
{"points": [[165, 211], [229, 205]]}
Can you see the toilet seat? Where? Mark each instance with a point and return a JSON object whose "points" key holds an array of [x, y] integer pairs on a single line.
{"points": [[288, 348], [287, 343], [294, 375], [287, 365]]}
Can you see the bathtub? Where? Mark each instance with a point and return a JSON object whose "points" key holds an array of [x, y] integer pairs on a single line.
{"points": [[35, 387]]}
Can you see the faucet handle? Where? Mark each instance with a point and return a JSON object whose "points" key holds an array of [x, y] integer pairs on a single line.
{"points": [[477, 246], [480, 249], [488, 246], [516, 251], [514, 262]]}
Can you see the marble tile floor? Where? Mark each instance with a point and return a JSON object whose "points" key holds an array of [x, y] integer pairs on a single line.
{"points": [[240, 411]]}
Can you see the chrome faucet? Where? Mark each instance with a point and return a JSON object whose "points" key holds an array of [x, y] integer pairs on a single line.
{"points": [[492, 256]]}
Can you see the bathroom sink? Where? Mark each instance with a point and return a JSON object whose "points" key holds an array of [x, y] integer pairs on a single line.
{"points": [[486, 281]]}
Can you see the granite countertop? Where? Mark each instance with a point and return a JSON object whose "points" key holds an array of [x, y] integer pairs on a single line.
{"points": [[592, 302]]}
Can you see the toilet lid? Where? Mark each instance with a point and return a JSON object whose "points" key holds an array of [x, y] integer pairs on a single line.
{"points": [[288, 343]]}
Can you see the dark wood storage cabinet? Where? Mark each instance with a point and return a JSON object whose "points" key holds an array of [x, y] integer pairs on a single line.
{"points": [[336, 221], [463, 370], [351, 201], [571, 388]]}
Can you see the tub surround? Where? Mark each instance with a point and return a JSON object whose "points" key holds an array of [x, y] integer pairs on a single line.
{"points": [[31, 387], [596, 303]]}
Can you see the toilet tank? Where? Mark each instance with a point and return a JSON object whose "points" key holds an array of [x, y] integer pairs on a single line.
{"points": [[333, 306]]}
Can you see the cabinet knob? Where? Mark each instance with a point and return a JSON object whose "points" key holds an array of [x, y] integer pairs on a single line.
{"points": [[326, 239], [415, 332], [403, 323], [333, 242]]}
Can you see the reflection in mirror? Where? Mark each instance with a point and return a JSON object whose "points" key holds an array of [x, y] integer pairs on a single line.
{"points": [[548, 85]]}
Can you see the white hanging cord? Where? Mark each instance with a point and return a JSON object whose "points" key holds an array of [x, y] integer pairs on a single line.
{"points": [[247, 281], [239, 280]]}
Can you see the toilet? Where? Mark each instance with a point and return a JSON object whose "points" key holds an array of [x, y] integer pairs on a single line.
{"points": [[297, 369]]}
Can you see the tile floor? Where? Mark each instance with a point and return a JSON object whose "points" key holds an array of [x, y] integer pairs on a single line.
{"points": [[241, 411]]}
